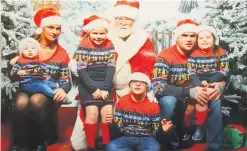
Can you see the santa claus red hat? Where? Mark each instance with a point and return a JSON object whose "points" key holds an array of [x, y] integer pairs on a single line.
{"points": [[24, 43], [139, 76], [46, 16], [186, 25], [93, 22], [124, 8]]}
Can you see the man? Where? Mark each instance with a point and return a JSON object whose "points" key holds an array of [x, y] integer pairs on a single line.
{"points": [[135, 50], [137, 118], [135, 54], [171, 84]]}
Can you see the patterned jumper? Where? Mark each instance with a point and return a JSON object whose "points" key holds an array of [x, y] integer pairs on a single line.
{"points": [[170, 75], [96, 68], [137, 118], [34, 69], [204, 66], [52, 72]]}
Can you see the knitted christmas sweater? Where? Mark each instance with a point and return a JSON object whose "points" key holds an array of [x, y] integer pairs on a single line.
{"points": [[170, 75], [53, 69], [34, 69], [96, 65], [137, 118], [204, 66]]}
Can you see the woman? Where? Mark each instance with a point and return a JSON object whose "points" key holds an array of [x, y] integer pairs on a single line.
{"points": [[31, 110], [96, 59]]}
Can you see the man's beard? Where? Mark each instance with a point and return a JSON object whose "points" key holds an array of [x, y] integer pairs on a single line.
{"points": [[123, 33]]}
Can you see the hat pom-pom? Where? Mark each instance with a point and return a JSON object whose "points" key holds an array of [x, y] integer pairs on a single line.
{"points": [[38, 31]]}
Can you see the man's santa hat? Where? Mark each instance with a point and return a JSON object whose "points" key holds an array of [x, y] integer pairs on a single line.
{"points": [[124, 8], [184, 26], [45, 17], [93, 22], [24, 43]]}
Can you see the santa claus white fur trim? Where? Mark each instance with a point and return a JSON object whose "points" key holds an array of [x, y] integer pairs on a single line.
{"points": [[126, 50], [125, 11], [78, 139]]}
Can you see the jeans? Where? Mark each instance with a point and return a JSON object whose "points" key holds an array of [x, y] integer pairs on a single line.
{"points": [[214, 125], [125, 143], [167, 111], [45, 87]]}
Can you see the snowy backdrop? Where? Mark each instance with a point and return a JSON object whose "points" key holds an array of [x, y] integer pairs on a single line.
{"points": [[158, 18]]}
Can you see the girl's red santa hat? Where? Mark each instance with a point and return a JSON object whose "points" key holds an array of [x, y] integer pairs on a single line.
{"points": [[93, 22], [45, 17], [184, 26], [124, 8]]}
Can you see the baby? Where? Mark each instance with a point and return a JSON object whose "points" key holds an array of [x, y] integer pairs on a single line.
{"points": [[29, 69]]}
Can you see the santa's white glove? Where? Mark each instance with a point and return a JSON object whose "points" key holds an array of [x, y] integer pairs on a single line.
{"points": [[73, 67], [151, 97]]}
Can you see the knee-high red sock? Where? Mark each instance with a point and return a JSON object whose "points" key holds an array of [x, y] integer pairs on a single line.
{"points": [[105, 133], [90, 132], [201, 117]]}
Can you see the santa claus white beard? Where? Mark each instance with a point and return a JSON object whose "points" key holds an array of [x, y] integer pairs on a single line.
{"points": [[123, 33]]}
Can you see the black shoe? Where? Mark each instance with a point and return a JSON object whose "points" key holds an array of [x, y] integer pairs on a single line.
{"points": [[18, 148], [15, 148], [199, 133], [186, 136], [91, 149], [42, 146]]}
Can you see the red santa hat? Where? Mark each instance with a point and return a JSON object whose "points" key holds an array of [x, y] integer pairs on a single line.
{"points": [[24, 43], [46, 16], [124, 8], [186, 25], [141, 77], [93, 22]]}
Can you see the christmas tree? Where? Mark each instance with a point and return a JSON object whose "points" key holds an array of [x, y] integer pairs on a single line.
{"points": [[187, 5], [229, 19], [16, 23]]}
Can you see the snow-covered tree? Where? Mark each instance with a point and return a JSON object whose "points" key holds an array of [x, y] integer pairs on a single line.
{"points": [[16, 23], [187, 5], [229, 19]]}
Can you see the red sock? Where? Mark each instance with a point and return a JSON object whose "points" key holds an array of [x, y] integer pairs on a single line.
{"points": [[105, 133], [201, 117], [90, 131]]}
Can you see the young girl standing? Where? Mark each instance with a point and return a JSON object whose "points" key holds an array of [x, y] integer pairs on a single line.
{"points": [[96, 59], [208, 64]]}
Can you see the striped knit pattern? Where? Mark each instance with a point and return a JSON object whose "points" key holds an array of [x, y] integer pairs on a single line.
{"points": [[34, 71], [137, 118], [56, 67], [88, 57], [171, 68], [204, 65], [55, 71]]}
